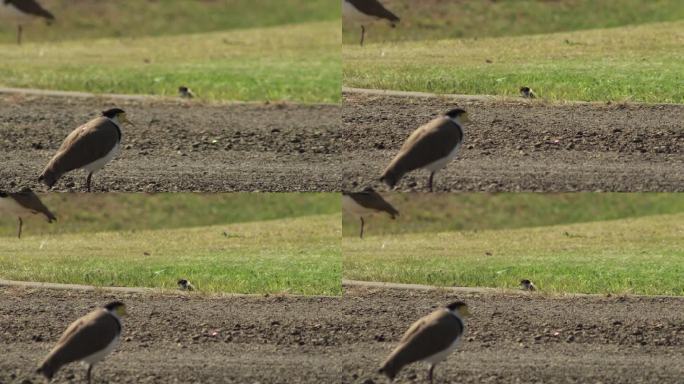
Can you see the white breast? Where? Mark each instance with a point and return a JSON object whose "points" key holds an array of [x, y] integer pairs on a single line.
{"points": [[99, 164], [441, 163], [99, 356], [440, 356]]}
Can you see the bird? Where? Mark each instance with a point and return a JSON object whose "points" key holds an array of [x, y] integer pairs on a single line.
{"points": [[185, 93], [90, 147], [365, 11], [365, 203], [527, 285], [430, 339], [185, 285], [431, 146], [89, 340], [527, 93], [23, 11], [23, 203]]}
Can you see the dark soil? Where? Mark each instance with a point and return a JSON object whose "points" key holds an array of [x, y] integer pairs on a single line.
{"points": [[510, 338], [522, 338], [179, 339], [522, 146], [178, 146]]}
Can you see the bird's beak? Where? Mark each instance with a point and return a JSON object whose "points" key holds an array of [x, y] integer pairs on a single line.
{"points": [[465, 312], [465, 118], [122, 311]]}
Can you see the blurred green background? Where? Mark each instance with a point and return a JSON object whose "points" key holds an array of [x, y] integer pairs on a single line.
{"points": [[266, 50], [587, 50], [618, 243], [422, 212], [453, 19], [238, 242], [98, 212]]}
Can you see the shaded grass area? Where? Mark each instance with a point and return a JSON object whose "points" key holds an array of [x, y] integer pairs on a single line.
{"points": [[89, 19], [295, 255], [435, 19], [642, 63], [82, 212], [299, 63], [422, 212], [636, 256]]}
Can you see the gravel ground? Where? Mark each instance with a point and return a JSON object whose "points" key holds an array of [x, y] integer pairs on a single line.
{"points": [[170, 338], [178, 146], [511, 338], [281, 339], [510, 145], [522, 146]]}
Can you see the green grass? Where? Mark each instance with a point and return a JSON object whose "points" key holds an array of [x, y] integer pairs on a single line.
{"points": [[635, 63], [636, 256], [432, 20], [91, 19], [299, 63], [81, 212], [421, 212], [294, 255]]}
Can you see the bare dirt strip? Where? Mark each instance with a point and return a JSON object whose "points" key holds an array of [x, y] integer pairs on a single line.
{"points": [[280, 339], [517, 145], [178, 146], [179, 338]]}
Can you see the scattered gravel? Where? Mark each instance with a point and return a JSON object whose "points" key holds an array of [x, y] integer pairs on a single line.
{"points": [[178, 146], [283, 339], [521, 146]]}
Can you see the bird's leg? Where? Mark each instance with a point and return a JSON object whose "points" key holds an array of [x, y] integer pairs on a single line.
{"points": [[90, 368], [432, 368], [363, 33], [90, 175], [432, 175], [362, 223], [19, 30], [21, 223]]}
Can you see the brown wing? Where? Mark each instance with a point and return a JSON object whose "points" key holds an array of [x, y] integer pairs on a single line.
{"points": [[31, 7], [417, 325], [27, 199], [84, 337], [426, 145], [373, 200], [426, 337], [85, 144], [373, 8]]}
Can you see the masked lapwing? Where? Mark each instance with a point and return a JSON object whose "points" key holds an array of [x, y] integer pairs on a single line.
{"points": [[185, 285], [527, 93], [88, 340], [89, 147], [527, 285], [185, 92], [24, 11], [364, 11], [22, 204], [430, 339], [365, 203], [431, 146]]}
